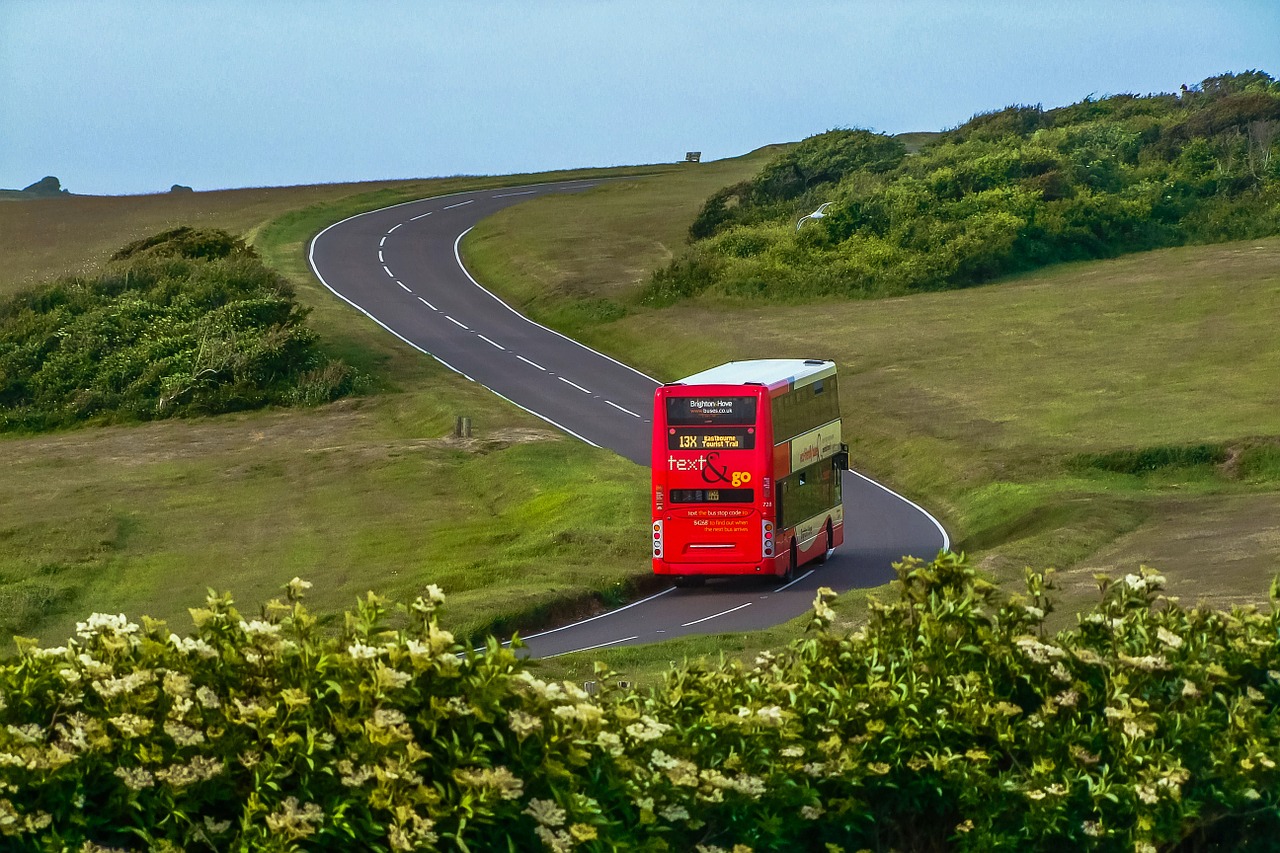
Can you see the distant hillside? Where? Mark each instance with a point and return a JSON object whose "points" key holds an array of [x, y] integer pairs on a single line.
{"points": [[1009, 190]]}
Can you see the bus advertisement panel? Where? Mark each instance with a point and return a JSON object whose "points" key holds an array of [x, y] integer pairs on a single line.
{"points": [[746, 470]]}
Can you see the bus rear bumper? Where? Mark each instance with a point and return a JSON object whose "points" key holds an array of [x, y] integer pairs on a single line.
{"points": [[760, 568]]}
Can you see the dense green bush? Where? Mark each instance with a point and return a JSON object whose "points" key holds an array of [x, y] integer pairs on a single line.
{"points": [[952, 720], [185, 322], [1007, 191]]}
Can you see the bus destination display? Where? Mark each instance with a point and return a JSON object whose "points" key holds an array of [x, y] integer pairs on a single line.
{"points": [[711, 496], [724, 438], [711, 410]]}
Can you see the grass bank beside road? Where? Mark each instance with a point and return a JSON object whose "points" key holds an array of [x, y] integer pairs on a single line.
{"points": [[987, 404]]}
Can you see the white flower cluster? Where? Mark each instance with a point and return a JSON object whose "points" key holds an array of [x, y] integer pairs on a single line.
{"points": [[647, 729], [1037, 651], [107, 624], [295, 820], [193, 646]]}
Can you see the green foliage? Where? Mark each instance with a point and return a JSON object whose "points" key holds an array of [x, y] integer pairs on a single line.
{"points": [[185, 322], [952, 720], [1148, 459], [1007, 191], [791, 179]]}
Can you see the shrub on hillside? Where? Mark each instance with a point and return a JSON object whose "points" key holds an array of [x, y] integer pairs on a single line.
{"points": [[952, 720], [185, 322], [1007, 191]]}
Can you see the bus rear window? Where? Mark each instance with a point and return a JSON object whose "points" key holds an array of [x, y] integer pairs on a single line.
{"points": [[712, 496], [711, 410]]}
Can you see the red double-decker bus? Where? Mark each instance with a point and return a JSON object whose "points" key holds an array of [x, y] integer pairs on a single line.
{"points": [[746, 470]]}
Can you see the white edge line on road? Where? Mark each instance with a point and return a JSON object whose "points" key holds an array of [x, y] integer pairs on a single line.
{"points": [[420, 215], [389, 230], [574, 384], [534, 363], [946, 540], [456, 322], [714, 615], [599, 616], [620, 409], [508, 195], [459, 204], [796, 581], [405, 286], [428, 304], [596, 646], [490, 341], [457, 254]]}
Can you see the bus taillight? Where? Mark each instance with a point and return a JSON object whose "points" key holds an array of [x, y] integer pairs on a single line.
{"points": [[657, 539], [767, 541]]}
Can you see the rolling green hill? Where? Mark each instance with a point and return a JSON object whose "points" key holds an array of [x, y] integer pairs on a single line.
{"points": [[1003, 409], [989, 405], [371, 492], [1008, 191]]}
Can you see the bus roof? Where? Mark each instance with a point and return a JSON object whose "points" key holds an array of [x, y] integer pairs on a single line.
{"points": [[770, 372]]}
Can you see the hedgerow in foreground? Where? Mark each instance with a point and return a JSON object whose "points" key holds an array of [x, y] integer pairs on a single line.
{"points": [[952, 720]]}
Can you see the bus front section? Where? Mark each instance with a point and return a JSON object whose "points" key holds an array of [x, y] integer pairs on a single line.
{"points": [[712, 492]]}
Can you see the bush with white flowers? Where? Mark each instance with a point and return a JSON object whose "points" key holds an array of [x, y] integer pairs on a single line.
{"points": [[952, 720]]}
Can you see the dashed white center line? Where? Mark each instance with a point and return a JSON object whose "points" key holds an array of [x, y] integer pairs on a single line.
{"points": [[714, 615], [620, 409], [534, 363], [381, 259], [459, 204], [426, 303], [406, 289], [394, 227], [383, 241], [420, 215], [574, 384], [455, 322], [490, 341], [508, 195], [390, 274]]}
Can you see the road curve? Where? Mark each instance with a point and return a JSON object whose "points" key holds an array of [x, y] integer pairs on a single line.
{"points": [[401, 267]]}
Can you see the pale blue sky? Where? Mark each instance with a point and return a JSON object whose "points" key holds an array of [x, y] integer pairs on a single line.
{"points": [[118, 97]]}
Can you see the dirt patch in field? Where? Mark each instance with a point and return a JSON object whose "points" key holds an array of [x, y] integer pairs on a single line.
{"points": [[1221, 550]]}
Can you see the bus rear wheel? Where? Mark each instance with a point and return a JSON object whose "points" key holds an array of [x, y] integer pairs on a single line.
{"points": [[790, 574], [830, 547]]}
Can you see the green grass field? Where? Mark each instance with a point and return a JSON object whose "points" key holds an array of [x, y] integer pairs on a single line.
{"points": [[976, 403], [520, 524]]}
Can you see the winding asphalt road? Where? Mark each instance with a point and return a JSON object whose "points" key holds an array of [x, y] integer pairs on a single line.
{"points": [[401, 267]]}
